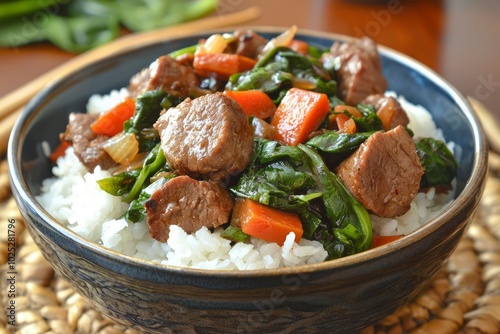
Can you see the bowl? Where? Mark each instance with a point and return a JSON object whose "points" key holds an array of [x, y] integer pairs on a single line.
{"points": [[343, 295]]}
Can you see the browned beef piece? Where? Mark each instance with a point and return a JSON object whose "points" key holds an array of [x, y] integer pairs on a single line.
{"points": [[249, 43], [164, 73], [390, 106], [359, 71], [384, 173], [208, 137], [188, 203], [87, 145]]}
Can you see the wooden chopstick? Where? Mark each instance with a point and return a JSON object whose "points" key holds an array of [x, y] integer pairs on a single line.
{"points": [[19, 97], [6, 125]]}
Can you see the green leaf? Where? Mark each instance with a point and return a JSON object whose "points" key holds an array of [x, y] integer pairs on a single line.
{"points": [[118, 184], [370, 120], [137, 211], [153, 163], [235, 234], [143, 15], [275, 72], [338, 143], [21, 31], [439, 164], [348, 229], [79, 34], [15, 9]]}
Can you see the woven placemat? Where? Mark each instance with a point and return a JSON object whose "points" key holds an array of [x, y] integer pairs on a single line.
{"points": [[464, 297]]}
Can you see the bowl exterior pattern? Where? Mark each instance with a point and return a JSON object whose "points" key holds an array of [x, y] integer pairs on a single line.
{"points": [[337, 297], [307, 302]]}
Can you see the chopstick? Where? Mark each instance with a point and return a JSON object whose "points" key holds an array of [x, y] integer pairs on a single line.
{"points": [[6, 125], [10, 103]]}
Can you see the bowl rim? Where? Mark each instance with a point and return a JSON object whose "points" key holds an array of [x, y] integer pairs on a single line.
{"points": [[472, 186]]}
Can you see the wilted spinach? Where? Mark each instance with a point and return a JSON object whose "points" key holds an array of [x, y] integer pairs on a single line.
{"points": [[276, 71], [439, 164], [130, 184], [295, 179], [148, 107]]}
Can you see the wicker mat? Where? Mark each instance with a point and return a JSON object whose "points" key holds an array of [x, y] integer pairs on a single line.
{"points": [[464, 297]]}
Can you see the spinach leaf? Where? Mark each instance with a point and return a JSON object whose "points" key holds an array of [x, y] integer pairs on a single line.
{"points": [[79, 33], [143, 15], [235, 234], [277, 71], [148, 107], [14, 9], [130, 184], [119, 184], [439, 164], [155, 161], [348, 228], [370, 120], [277, 176], [79, 25], [338, 143], [137, 211], [295, 179]]}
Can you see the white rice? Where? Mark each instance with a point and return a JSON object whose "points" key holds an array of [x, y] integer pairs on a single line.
{"points": [[73, 197]]}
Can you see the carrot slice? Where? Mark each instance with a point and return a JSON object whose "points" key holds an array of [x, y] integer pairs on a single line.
{"points": [[264, 222], [111, 122], [254, 102], [60, 150], [299, 113], [345, 124], [299, 46], [221, 64], [379, 240], [341, 108]]}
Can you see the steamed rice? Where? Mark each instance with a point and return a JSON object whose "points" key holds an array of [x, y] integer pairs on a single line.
{"points": [[74, 198]]}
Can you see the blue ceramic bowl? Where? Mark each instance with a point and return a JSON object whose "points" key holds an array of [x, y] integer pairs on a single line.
{"points": [[337, 296]]}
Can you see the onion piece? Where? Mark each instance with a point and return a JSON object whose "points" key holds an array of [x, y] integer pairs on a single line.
{"points": [[303, 83], [282, 39], [122, 147], [216, 43]]}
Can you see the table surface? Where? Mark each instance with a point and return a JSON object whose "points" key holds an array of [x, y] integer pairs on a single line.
{"points": [[459, 39]]}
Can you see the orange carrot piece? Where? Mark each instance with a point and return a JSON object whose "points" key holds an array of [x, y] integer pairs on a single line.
{"points": [[341, 108], [254, 102], [379, 240], [111, 122], [299, 46], [345, 124], [264, 222], [299, 113], [221, 64], [59, 151]]}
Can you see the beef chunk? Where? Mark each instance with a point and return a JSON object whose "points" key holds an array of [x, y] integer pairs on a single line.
{"points": [[384, 173], [249, 43], [208, 137], [87, 145], [390, 108], [359, 70], [188, 203], [167, 74]]}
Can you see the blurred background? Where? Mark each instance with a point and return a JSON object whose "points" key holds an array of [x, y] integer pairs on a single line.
{"points": [[460, 39]]}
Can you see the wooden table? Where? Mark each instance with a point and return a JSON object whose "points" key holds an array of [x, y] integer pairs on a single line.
{"points": [[460, 39]]}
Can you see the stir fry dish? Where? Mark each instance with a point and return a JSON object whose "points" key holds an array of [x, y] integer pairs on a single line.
{"points": [[262, 138]]}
